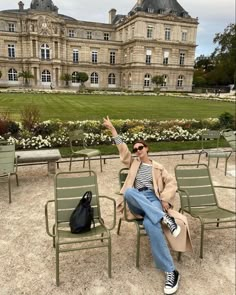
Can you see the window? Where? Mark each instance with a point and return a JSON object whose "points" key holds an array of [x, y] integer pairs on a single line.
{"points": [[12, 75], [165, 77], [167, 33], [166, 57], [11, 27], [147, 80], [149, 32], [46, 76], [181, 58], [94, 78], [148, 56], [74, 78], [89, 35], [184, 35], [94, 57], [106, 36], [151, 10], [111, 79], [180, 81], [71, 33], [75, 55], [11, 50], [112, 57], [45, 52]]}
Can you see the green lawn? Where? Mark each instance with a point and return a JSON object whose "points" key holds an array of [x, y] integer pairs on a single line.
{"points": [[95, 107]]}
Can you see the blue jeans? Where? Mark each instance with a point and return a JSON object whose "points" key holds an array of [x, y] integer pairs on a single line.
{"points": [[146, 203]]}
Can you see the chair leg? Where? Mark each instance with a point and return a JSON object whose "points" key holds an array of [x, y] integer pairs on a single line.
{"points": [[9, 188], [179, 256], [138, 245], [119, 225], [101, 162], [17, 180], [57, 265], [201, 242], [70, 163], [217, 161], [84, 162], [109, 257]]}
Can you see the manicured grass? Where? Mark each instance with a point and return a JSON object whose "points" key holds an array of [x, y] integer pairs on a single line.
{"points": [[95, 107]]}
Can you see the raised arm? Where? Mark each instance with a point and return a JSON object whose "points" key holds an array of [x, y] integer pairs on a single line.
{"points": [[107, 123]]}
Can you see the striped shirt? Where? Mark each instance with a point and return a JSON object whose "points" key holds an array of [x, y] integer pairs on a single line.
{"points": [[144, 175]]}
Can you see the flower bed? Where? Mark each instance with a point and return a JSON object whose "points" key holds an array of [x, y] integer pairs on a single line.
{"points": [[49, 134]]}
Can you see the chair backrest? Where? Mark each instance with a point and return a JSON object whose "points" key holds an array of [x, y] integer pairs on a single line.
{"points": [[210, 135], [70, 188], [196, 180], [7, 158], [230, 137], [122, 176], [76, 137]]}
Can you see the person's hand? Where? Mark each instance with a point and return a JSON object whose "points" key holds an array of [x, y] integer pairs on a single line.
{"points": [[165, 206], [107, 123]]}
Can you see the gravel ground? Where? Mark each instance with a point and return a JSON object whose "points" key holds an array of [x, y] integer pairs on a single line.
{"points": [[27, 258]]}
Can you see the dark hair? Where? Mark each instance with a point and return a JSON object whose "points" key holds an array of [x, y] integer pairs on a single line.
{"points": [[142, 142]]}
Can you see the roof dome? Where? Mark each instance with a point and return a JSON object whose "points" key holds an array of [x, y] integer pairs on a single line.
{"points": [[161, 7], [43, 5]]}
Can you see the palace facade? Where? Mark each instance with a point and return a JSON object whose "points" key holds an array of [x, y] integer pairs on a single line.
{"points": [[156, 37]]}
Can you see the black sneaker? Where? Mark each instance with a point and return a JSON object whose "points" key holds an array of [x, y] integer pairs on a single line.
{"points": [[172, 282], [173, 226]]}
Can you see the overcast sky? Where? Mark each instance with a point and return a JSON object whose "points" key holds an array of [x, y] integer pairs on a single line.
{"points": [[213, 15]]}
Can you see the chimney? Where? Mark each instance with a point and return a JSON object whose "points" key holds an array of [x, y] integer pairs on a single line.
{"points": [[112, 14], [21, 6]]}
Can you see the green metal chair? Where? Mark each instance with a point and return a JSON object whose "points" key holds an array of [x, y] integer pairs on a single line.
{"points": [[8, 164], [198, 198], [76, 137], [138, 222], [69, 189], [216, 153]]}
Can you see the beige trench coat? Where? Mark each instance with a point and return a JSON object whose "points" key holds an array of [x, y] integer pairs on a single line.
{"points": [[165, 189]]}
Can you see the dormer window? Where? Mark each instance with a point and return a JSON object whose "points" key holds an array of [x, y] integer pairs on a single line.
{"points": [[11, 27], [71, 33]]}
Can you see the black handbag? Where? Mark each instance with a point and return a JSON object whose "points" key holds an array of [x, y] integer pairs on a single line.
{"points": [[82, 216]]}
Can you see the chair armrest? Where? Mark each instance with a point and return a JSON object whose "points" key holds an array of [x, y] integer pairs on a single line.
{"points": [[187, 196], [46, 218], [114, 211]]}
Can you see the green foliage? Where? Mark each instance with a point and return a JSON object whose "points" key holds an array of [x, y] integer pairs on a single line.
{"points": [[30, 115], [227, 120], [82, 77], [26, 75], [67, 78]]}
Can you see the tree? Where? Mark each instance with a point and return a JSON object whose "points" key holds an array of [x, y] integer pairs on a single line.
{"points": [[225, 52], [26, 75], [67, 78], [158, 80], [82, 77]]}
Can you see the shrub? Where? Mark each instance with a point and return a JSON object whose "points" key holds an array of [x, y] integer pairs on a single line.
{"points": [[227, 120], [30, 115]]}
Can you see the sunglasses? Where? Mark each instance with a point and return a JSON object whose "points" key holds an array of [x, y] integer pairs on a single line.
{"points": [[138, 148]]}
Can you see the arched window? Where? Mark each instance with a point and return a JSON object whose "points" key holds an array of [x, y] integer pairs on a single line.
{"points": [[165, 78], [180, 81], [147, 79], [45, 51], [94, 78], [74, 78], [12, 75], [46, 76], [111, 79]]}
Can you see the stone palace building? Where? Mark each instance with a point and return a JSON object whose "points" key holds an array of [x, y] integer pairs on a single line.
{"points": [[156, 37]]}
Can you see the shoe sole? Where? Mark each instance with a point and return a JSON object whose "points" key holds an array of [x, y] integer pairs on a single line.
{"points": [[177, 231], [173, 290]]}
